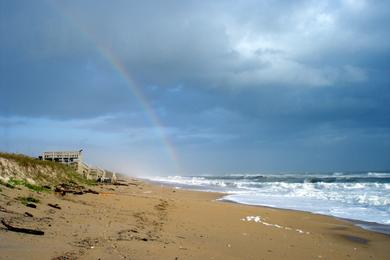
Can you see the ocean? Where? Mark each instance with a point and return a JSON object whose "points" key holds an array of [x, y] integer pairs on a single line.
{"points": [[363, 197]]}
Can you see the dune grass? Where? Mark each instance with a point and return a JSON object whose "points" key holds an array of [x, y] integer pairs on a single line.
{"points": [[6, 184], [27, 161], [29, 199], [43, 172], [12, 183]]}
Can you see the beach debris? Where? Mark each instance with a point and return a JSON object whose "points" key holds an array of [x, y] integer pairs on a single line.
{"points": [[260, 220], [22, 230], [65, 188], [56, 206], [28, 214], [72, 188], [123, 184], [91, 191], [31, 205]]}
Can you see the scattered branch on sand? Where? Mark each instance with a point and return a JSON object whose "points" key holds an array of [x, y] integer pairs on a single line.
{"points": [[56, 206], [22, 230], [28, 214], [68, 188], [91, 191], [73, 189], [121, 184], [31, 205]]}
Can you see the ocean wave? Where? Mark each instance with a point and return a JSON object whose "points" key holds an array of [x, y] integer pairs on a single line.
{"points": [[362, 196], [379, 174]]}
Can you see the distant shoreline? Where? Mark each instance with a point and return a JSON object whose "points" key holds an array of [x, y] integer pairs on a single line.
{"points": [[369, 226]]}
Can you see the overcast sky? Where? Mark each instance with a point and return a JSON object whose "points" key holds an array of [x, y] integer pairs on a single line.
{"points": [[198, 87]]}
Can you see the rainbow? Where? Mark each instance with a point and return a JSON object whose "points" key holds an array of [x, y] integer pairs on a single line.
{"points": [[135, 89], [146, 105]]}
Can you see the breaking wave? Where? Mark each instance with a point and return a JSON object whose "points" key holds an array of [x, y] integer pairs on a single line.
{"points": [[357, 196]]}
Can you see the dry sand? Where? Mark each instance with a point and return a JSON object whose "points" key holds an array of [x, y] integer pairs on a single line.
{"points": [[147, 221]]}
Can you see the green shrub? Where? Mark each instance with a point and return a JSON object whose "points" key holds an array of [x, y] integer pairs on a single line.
{"points": [[29, 199], [36, 188], [15, 182], [6, 184], [12, 183]]}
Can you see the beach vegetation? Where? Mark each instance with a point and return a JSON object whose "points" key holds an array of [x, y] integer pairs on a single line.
{"points": [[77, 178], [7, 184], [26, 161], [37, 188], [29, 199], [42, 173]]}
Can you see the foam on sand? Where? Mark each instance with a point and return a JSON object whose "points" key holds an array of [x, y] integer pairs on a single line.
{"points": [[260, 220]]}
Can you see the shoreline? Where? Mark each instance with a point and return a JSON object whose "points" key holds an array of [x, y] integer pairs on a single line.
{"points": [[356, 223], [366, 225], [149, 221]]}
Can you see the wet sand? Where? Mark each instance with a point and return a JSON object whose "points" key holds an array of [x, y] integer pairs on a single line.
{"points": [[148, 221]]}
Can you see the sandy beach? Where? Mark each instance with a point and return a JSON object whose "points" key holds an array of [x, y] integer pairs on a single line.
{"points": [[149, 221]]}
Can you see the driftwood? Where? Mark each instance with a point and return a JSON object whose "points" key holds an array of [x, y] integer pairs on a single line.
{"points": [[22, 230], [91, 191], [64, 188], [54, 206], [72, 189], [31, 205], [28, 214], [121, 184]]}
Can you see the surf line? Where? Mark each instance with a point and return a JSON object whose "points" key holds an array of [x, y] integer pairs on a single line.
{"points": [[118, 66]]}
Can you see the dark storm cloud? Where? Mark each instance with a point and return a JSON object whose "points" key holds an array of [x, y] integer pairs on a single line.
{"points": [[258, 76]]}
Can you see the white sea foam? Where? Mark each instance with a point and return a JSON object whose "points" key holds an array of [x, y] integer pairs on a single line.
{"points": [[360, 196], [261, 220], [379, 174]]}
